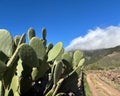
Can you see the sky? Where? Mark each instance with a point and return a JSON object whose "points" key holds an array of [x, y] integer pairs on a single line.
{"points": [[79, 24]]}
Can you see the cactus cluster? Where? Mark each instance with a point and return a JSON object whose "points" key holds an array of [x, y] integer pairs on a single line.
{"points": [[36, 68]]}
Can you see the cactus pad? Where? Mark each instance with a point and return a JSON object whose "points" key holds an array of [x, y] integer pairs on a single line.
{"points": [[39, 72], [2, 67], [3, 57], [66, 56], [15, 83], [6, 42], [28, 55], [76, 57], [55, 51], [50, 46], [16, 40], [57, 72], [38, 46], [31, 33], [44, 33]]}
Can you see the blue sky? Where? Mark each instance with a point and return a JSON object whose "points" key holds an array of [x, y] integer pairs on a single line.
{"points": [[65, 20]]}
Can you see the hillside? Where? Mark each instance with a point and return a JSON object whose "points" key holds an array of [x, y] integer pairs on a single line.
{"points": [[103, 58]]}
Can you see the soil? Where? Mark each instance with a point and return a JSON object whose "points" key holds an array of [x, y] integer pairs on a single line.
{"points": [[98, 87]]}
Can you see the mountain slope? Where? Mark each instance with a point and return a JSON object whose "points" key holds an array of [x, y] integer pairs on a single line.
{"points": [[103, 58]]}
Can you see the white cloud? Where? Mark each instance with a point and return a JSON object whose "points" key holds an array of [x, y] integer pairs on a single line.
{"points": [[97, 39]]}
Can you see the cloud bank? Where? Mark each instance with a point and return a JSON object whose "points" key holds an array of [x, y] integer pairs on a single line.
{"points": [[97, 39]]}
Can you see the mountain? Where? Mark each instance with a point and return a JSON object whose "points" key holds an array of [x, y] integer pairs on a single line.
{"points": [[102, 58]]}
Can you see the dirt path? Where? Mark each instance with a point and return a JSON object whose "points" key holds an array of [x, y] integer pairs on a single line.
{"points": [[99, 87]]}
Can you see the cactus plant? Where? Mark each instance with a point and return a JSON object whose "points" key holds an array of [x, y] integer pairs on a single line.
{"points": [[28, 55], [31, 33], [3, 57], [54, 52], [76, 58], [57, 72], [16, 40], [50, 46], [1, 88], [38, 46], [40, 71], [3, 67], [7, 47], [28, 65], [44, 34]]}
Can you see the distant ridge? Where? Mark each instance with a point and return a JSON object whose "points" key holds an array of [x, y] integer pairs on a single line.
{"points": [[108, 58]]}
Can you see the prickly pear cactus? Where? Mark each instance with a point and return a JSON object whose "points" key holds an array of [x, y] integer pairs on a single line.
{"points": [[16, 40], [66, 56], [31, 33], [40, 71], [1, 88], [22, 66], [44, 33], [55, 51], [57, 72], [3, 67], [3, 57], [76, 58], [6, 42], [79, 67], [15, 83], [67, 59], [38, 46], [50, 46], [28, 55]]}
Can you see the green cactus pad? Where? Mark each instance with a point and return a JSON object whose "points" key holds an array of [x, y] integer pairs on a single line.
{"points": [[79, 67], [38, 46], [57, 72], [31, 33], [19, 68], [28, 55], [50, 46], [76, 57], [44, 33], [2, 69], [3, 57], [2, 66], [59, 57], [15, 83], [16, 94], [39, 72], [6, 42], [1, 89], [17, 39], [70, 83], [9, 73], [81, 62], [55, 51], [66, 56], [34, 74]]}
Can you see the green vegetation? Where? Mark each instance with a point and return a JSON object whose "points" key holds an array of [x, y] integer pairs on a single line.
{"points": [[37, 68], [110, 61], [102, 58], [86, 87]]}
